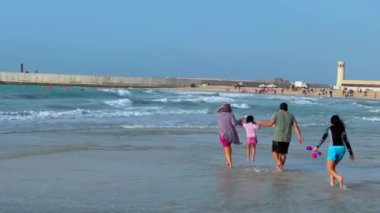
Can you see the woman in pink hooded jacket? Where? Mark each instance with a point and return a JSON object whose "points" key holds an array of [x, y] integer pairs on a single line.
{"points": [[227, 131]]}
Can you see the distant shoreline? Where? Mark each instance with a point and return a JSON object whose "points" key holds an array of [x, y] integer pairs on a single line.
{"points": [[317, 92], [173, 83]]}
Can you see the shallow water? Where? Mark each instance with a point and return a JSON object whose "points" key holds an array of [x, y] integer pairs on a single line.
{"points": [[168, 171], [136, 150]]}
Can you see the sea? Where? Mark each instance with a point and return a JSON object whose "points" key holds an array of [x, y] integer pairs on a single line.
{"points": [[82, 149]]}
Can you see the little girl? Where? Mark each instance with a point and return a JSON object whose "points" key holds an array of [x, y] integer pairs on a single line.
{"points": [[250, 128], [338, 144]]}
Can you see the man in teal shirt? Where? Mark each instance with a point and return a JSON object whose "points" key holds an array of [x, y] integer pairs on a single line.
{"points": [[283, 122]]}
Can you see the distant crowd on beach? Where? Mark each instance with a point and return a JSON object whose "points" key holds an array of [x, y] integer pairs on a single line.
{"points": [[319, 92], [283, 122], [299, 91], [303, 91], [364, 92]]}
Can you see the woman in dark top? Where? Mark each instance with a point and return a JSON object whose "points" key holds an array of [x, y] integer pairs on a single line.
{"points": [[338, 144]]}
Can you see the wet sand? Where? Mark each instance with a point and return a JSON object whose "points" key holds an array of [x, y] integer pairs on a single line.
{"points": [[166, 170]]}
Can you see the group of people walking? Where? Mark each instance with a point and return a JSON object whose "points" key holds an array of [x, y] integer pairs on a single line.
{"points": [[283, 123]]}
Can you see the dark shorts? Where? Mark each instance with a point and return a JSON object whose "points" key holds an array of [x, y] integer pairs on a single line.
{"points": [[280, 147]]}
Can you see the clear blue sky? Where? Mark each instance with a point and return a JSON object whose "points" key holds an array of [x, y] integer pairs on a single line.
{"points": [[296, 40]]}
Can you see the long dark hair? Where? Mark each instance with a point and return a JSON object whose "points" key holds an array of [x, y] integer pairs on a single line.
{"points": [[337, 124]]}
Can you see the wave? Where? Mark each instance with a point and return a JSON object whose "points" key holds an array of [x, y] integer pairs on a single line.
{"points": [[361, 105], [150, 91], [312, 124], [56, 128], [375, 119], [119, 92], [191, 92], [163, 100], [213, 99], [303, 102], [81, 113], [292, 97], [182, 111], [375, 110], [167, 126], [40, 115], [240, 106], [120, 103], [236, 95], [199, 99]]}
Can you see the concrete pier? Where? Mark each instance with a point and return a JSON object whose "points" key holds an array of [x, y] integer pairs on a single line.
{"points": [[92, 80], [115, 81]]}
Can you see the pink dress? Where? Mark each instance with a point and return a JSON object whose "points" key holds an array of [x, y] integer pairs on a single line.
{"points": [[250, 129]]}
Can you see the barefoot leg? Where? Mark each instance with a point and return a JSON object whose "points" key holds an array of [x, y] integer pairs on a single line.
{"points": [[332, 180], [253, 152], [283, 160], [228, 153], [248, 151], [276, 158], [331, 170]]}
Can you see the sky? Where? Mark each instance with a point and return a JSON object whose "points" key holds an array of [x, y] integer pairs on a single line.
{"points": [[242, 39]]}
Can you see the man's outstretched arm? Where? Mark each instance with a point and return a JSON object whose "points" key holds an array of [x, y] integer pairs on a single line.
{"points": [[267, 123]]}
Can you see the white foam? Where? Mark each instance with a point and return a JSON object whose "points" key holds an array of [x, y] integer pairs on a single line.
{"points": [[236, 95], [119, 92], [167, 126], [163, 100], [181, 111], [240, 106], [149, 91], [294, 99], [192, 92], [216, 99], [197, 99], [375, 110], [311, 124], [371, 119], [40, 115], [120, 103], [146, 112], [81, 113], [303, 102]]}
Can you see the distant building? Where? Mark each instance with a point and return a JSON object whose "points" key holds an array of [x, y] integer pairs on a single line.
{"points": [[341, 83], [299, 84]]}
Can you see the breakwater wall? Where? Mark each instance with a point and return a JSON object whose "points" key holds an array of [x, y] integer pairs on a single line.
{"points": [[92, 80], [116, 81]]}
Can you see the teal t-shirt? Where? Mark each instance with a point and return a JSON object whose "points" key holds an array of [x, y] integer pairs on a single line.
{"points": [[283, 126]]}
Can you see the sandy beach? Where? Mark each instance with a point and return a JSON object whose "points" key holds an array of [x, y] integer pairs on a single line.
{"points": [[316, 92]]}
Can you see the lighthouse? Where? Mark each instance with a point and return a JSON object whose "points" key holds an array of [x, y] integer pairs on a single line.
{"points": [[340, 74]]}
